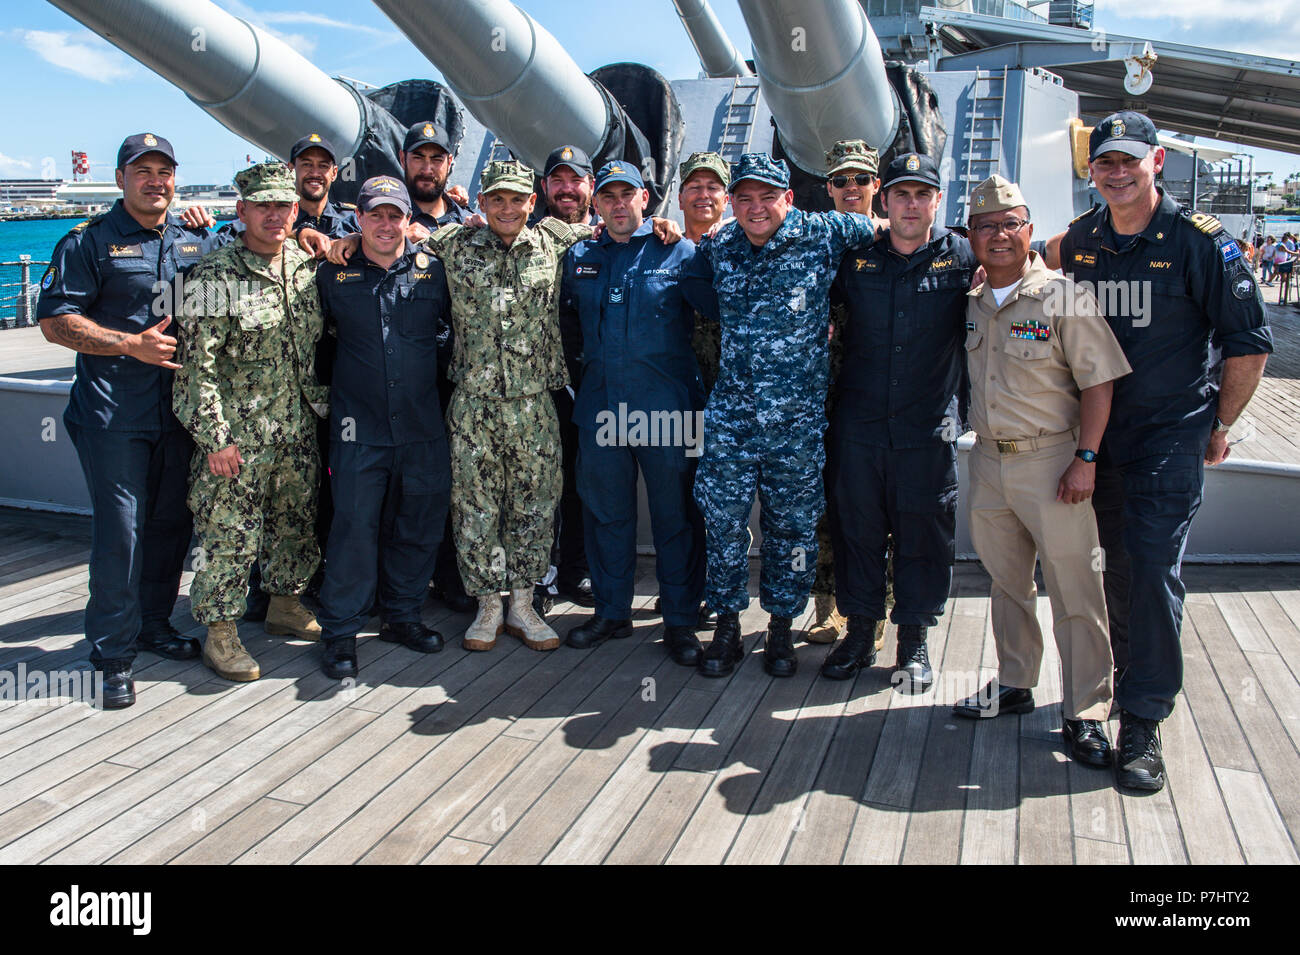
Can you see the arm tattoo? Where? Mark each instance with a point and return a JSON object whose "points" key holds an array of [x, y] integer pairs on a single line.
{"points": [[83, 335]]}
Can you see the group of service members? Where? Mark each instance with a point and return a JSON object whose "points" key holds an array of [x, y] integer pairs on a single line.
{"points": [[462, 372]]}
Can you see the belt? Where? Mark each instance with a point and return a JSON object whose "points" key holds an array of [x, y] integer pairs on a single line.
{"points": [[1021, 445]]}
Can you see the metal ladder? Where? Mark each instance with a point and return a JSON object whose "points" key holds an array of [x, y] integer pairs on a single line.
{"points": [[982, 156], [738, 120]]}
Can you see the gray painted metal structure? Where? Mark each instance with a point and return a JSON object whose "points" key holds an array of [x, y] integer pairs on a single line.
{"points": [[718, 55]]}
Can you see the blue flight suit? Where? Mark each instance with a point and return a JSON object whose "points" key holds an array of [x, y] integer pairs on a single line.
{"points": [[892, 462], [336, 220], [133, 451], [389, 465], [634, 349], [1203, 306], [766, 416]]}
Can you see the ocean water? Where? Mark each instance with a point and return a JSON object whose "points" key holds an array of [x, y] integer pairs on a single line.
{"points": [[36, 238]]}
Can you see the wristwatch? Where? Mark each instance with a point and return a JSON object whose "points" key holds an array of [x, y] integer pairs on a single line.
{"points": [[1083, 454], [1220, 427]]}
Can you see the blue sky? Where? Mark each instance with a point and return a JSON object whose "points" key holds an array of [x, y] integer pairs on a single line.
{"points": [[69, 89]]}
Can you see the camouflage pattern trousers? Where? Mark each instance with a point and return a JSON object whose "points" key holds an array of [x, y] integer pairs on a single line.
{"points": [[267, 512], [506, 478], [787, 476]]}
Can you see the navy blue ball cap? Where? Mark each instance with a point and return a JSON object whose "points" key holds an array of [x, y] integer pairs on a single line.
{"points": [[426, 132], [383, 191], [313, 141], [761, 168], [911, 167], [133, 147], [570, 156], [1126, 132], [618, 171]]}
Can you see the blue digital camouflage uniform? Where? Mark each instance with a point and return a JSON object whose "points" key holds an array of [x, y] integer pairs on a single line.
{"points": [[766, 417]]}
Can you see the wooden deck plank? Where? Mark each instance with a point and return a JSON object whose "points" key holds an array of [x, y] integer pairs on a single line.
{"points": [[1217, 725], [1154, 836], [227, 842], [1206, 826], [1264, 837], [1046, 833], [453, 851], [1100, 852], [988, 834], [652, 833]]}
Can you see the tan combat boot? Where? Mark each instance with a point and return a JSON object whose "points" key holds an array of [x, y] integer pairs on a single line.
{"points": [[487, 626], [287, 617], [226, 656], [828, 623], [523, 622]]}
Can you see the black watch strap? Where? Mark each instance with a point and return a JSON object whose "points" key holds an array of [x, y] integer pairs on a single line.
{"points": [[1085, 454]]}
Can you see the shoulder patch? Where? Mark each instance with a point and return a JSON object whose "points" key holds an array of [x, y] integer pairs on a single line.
{"points": [[347, 206], [82, 226], [1083, 215], [51, 276], [559, 230], [1205, 222]]}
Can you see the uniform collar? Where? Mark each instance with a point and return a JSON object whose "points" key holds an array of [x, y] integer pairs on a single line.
{"points": [[791, 229], [1158, 230], [484, 236], [1033, 284], [644, 229], [400, 263], [939, 236], [260, 266], [126, 224]]}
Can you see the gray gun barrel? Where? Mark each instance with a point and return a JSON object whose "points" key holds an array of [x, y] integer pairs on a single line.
{"points": [[252, 83], [718, 55], [509, 72], [822, 75]]}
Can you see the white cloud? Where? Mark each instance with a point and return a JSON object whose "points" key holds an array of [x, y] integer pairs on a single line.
{"points": [[316, 19], [82, 53], [11, 168], [1271, 11]]}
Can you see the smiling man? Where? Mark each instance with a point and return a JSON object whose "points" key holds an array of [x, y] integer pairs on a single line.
{"points": [[1198, 348], [1042, 365], [892, 469], [247, 393], [766, 416]]}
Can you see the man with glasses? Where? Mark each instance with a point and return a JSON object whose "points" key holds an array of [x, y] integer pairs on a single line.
{"points": [[892, 465], [1042, 365]]}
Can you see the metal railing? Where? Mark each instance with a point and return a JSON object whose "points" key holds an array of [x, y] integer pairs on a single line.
{"points": [[18, 292]]}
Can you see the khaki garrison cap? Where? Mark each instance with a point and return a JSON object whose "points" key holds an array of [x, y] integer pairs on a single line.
{"points": [[995, 194]]}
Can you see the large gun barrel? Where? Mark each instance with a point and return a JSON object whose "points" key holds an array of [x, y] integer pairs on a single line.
{"points": [[509, 72], [252, 83], [822, 75], [718, 55]]}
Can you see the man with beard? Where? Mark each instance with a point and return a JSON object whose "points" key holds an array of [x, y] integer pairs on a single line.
{"points": [[567, 187], [426, 163]]}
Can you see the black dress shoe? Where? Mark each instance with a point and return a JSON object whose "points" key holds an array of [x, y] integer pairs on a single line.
{"points": [[778, 648], [1140, 762], [995, 699], [454, 597], [912, 672], [725, 650], [683, 645], [340, 658], [857, 651], [578, 592], [596, 631], [1087, 743], [119, 687], [166, 641], [412, 634]]}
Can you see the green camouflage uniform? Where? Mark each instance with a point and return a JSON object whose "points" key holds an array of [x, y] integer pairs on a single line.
{"points": [[248, 378], [503, 433]]}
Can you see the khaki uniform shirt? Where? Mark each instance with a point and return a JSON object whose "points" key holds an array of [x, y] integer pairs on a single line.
{"points": [[1030, 358], [504, 307], [248, 358]]}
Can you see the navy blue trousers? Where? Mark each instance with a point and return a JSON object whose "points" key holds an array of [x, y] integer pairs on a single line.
{"points": [[390, 506], [910, 493], [1144, 511], [140, 532], [606, 480]]}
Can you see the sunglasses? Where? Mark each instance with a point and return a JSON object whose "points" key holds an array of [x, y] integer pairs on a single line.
{"points": [[862, 179]]}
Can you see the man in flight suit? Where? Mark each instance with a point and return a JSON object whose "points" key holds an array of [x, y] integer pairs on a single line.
{"points": [[388, 460], [637, 364], [98, 298]]}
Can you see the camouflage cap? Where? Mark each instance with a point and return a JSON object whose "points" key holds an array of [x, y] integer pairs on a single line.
{"points": [[713, 162], [762, 168], [506, 174], [852, 154], [266, 182], [996, 194]]}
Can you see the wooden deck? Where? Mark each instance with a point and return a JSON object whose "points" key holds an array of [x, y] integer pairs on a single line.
{"points": [[618, 755]]}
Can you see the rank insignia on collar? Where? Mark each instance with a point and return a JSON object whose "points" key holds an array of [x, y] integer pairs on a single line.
{"points": [[421, 260]]}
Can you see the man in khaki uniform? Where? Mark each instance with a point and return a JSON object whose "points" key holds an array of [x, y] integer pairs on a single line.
{"points": [[1042, 364]]}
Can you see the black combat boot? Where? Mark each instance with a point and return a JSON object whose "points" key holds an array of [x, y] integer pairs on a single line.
{"points": [[912, 673], [119, 685], [856, 651], [339, 661], [683, 645], [727, 648], [778, 648]]}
